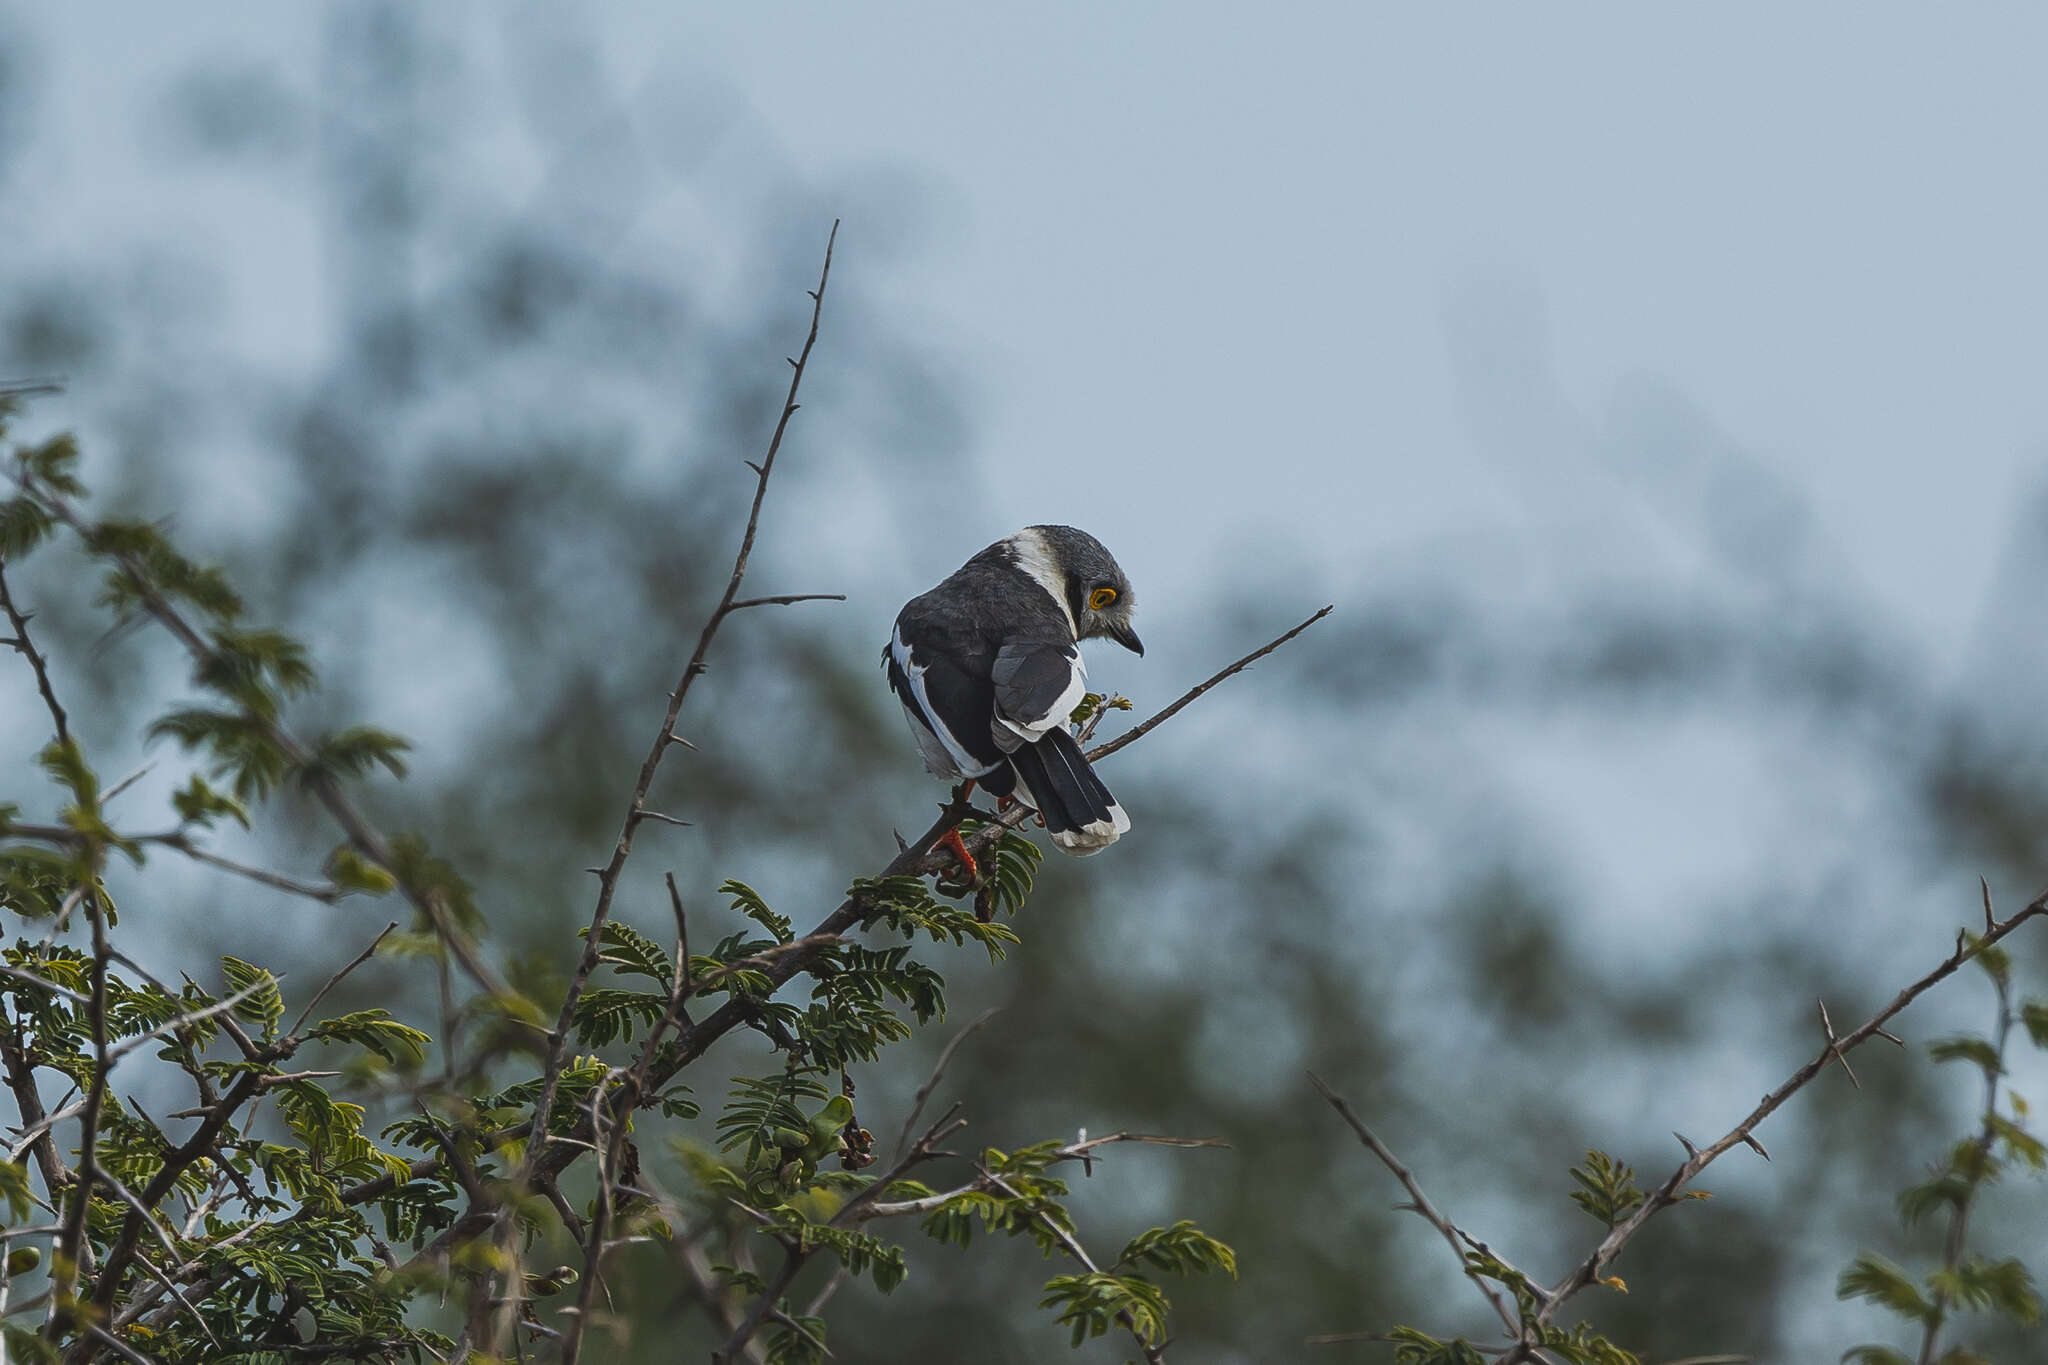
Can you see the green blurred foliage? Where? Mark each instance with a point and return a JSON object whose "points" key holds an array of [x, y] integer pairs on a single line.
{"points": [[512, 487]]}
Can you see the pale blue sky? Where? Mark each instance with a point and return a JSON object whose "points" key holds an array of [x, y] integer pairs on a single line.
{"points": [[1211, 265]]}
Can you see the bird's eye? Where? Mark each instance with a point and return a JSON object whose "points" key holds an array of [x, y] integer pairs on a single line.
{"points": [[1101, 598]]}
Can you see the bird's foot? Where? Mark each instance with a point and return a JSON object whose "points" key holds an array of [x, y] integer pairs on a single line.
{"points": [[954, 844]]}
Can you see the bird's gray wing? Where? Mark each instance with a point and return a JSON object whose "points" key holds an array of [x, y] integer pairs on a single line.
{"points": [[1038, 684]]}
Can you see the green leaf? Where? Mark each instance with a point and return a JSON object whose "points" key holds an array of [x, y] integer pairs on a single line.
{"points": [[1415, 1347], [199, 804], [2006, 1286], [1967, 1049], [145, 566], [241, 744], [14, 1187], [263, 1005], [2034, 1014], [1996, 962], [353, 752], [1090, 1303], [2019, 1144], [1182, 1249], [629, 952], [23, 526], [53, 464], [606, 1015], [1949, 1189], [377, 1031], [859, 1252], [1874, 1355], [349, 868], [748, 902], [906, 904], [1607, 1188], [245, 664], [1874, 1278], [64, 761]]}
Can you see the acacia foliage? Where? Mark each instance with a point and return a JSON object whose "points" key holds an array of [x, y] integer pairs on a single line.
{"points": [[272, 1220]]}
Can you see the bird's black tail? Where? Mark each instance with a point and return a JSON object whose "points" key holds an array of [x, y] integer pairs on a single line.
{"points": [[1079, 812]]}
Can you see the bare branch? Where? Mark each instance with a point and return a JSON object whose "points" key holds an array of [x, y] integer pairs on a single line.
{"points": [[1419, 1202], [335, 980], [70, 1248], [794, 1257], [608, 877], [1155, 1354], [1138, 731], [118, 1346], [18, 621], [326, 893], [1589, 1271], [64, 992], [163, 1237], [784, 600], [932, 1082]]}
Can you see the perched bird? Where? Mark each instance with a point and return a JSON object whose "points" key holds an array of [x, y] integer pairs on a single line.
{"points": [[988, 669]]}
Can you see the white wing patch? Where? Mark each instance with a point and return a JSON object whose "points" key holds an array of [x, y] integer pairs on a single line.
{"points": [[1031, 729], [932, 725]]}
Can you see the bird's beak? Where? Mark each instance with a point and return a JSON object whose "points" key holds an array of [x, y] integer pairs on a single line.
{"points": [[1128, 638]]}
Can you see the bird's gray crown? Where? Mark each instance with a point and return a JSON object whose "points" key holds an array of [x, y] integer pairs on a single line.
{"points": [[1082, 558], [1075, 568]]}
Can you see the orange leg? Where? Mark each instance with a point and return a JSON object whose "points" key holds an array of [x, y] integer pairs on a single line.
{"points": [[953, 842]]}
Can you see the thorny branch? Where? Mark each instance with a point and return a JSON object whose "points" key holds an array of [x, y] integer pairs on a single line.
{"points": [[1418, 1202], [1590, 1270], [17, 620], [676, 1041], [1138, 732], [1834, 1049], [795, 1257], [1976, 1169], [608, 878]]}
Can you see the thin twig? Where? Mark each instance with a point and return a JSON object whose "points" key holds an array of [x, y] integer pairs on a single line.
{"points": [[187, 1019], [118, 1346], [914, 858], [924, 1091], [1418, 1202], [18, 622], [1136, 732], [1082, 1150], [1589, 1271], [65, 992], [335, 980], [1975, 1170], [622, 848], [70, 1250], [784, 600], [794, 1257], [163, 1237], [327, 893], [1155, 1352]]}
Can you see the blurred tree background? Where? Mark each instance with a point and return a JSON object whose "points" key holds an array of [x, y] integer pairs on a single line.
{"points": [[499, 493]]}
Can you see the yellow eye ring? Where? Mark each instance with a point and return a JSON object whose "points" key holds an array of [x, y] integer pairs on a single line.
{"points": [[1101, 598]]}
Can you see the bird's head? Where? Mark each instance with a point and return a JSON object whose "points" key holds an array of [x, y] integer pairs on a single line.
{"points": [[1097, 592]]}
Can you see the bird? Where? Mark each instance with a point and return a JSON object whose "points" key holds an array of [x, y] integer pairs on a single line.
{"points": [[988, 668]]}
